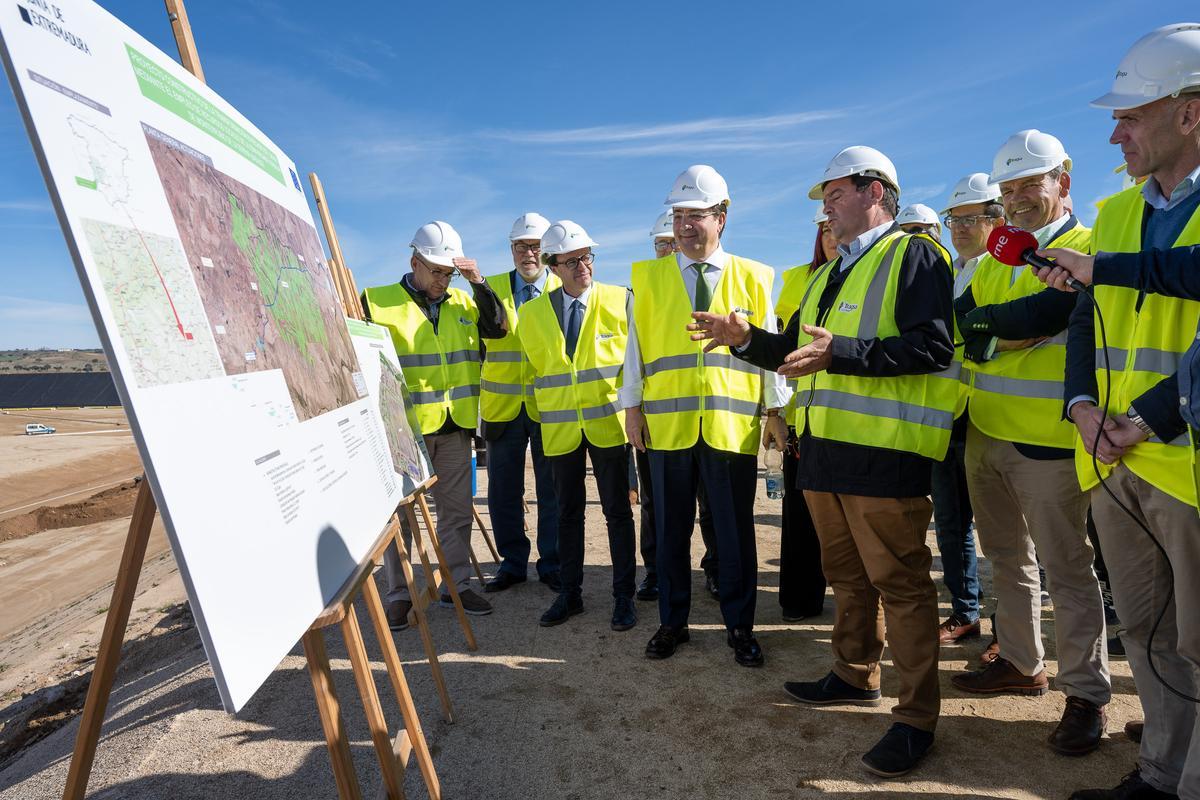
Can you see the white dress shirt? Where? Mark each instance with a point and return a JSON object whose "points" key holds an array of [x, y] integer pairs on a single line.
{"points": [[775, 391], [849, 253]]}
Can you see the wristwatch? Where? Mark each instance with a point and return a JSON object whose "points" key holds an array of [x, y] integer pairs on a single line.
{"points": [[1137, 420]]}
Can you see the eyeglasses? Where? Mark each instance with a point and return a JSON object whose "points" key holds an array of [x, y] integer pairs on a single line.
{"points": [[692, 217], [521, 248], [586, 259], [663, 244], [440, 274], [966, 222]]}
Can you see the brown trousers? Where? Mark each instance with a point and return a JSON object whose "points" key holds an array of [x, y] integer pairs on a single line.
{"points": [[873, 549]]}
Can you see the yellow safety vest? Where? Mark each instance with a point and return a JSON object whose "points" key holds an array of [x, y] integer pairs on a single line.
{"points": [[685, 390], [506, 380], [910, 413], [1017, 396], [794, 282], [578, 395], [441, 369], [1144, 346]]}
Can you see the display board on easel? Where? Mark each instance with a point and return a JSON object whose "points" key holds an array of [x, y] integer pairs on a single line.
{"points": [[196, 250]]}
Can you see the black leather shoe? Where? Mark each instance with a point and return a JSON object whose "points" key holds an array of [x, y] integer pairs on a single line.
{"points": [[831, 691], [648, 588], [397, 614], [898, 751], [710, 586], [1081, 728], [745, 647], [503, 580], [1131, 787], [665, 640], [563, 608], [624, 616], [552, 580]]}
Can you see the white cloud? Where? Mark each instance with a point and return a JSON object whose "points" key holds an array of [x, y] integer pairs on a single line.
{"points": [[25, 205], [628, 133], [919, 194], [44, 323]]}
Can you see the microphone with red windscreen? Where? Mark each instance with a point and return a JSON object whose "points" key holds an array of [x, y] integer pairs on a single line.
{"points": [[1016, 247]]}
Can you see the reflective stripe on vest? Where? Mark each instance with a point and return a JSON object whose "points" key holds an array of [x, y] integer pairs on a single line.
{"points": [[1145, 344], [578, 395], [687, 393], [440, 369], [507, 378], [910, 413], [1017, 396]]}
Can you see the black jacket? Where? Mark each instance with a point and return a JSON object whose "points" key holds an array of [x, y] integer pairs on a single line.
{"points": [[925, 345], [1174, 272]]}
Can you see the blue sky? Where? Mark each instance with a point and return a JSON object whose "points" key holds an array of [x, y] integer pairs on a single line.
{"points": [[477, 112]]}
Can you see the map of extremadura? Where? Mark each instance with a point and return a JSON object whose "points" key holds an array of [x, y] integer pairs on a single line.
{"points": [[263, 280]]}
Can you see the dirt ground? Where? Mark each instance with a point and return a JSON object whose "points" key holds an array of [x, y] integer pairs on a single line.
{"points": [[574, 711]]}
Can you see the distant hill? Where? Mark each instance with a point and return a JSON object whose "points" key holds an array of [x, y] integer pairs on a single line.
{"points": [[52, 361]]}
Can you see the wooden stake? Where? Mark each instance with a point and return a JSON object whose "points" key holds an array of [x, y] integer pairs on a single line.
{"points": [[109, 654], [331, 716], [487, 537], [184, 40], [342, 276], [384, 632], [412, 738], [393, 774], [444, 567]]}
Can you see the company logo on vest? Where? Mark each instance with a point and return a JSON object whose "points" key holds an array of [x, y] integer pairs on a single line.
{"points": [[848, 308]]}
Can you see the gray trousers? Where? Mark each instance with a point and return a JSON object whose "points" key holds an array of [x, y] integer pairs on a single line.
{"points": [[451, 457], [1170, 751], [1027, 509]]}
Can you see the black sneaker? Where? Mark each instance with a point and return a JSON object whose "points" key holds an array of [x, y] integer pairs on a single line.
{"points": [[397, 614], [624, 615], [563, 608], [648, 590], [831, 691], [898, 751], [1131, 787], [472, 603]]}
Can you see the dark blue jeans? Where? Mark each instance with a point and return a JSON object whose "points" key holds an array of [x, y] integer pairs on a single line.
{"points": [[506, 488], [952, 517]]}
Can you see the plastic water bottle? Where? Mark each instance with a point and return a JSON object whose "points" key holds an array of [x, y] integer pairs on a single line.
{"points": [[773, 473]]}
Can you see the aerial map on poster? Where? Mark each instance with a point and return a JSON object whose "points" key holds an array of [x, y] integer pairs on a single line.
{"points": [[385, 381], [262, 438]]}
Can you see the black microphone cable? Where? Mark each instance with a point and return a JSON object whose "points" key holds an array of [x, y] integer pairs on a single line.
{"points": [[1103, 482]]}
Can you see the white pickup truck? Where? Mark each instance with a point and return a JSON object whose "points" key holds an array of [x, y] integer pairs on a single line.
{"points": [[37, 428]]}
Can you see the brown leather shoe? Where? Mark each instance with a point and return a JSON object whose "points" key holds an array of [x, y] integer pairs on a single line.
{"points": [[1001, 677], [991, 653], [957, 627], [1133, 729], [1081, 728]]}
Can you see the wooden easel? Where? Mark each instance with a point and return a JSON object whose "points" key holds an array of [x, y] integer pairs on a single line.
{"points": [[393, 755]]}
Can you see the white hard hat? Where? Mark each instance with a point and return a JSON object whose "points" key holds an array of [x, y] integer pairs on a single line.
{"points": [[918, 214], [664, 227], [698, 186], [1028, 153], [438, 243], [1161, 63], [857, 160], [530, 225], [820, 217], [975, 188], [563, 237]]}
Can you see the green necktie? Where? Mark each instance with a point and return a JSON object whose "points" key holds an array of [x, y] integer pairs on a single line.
{"points": [[703, 292]]}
